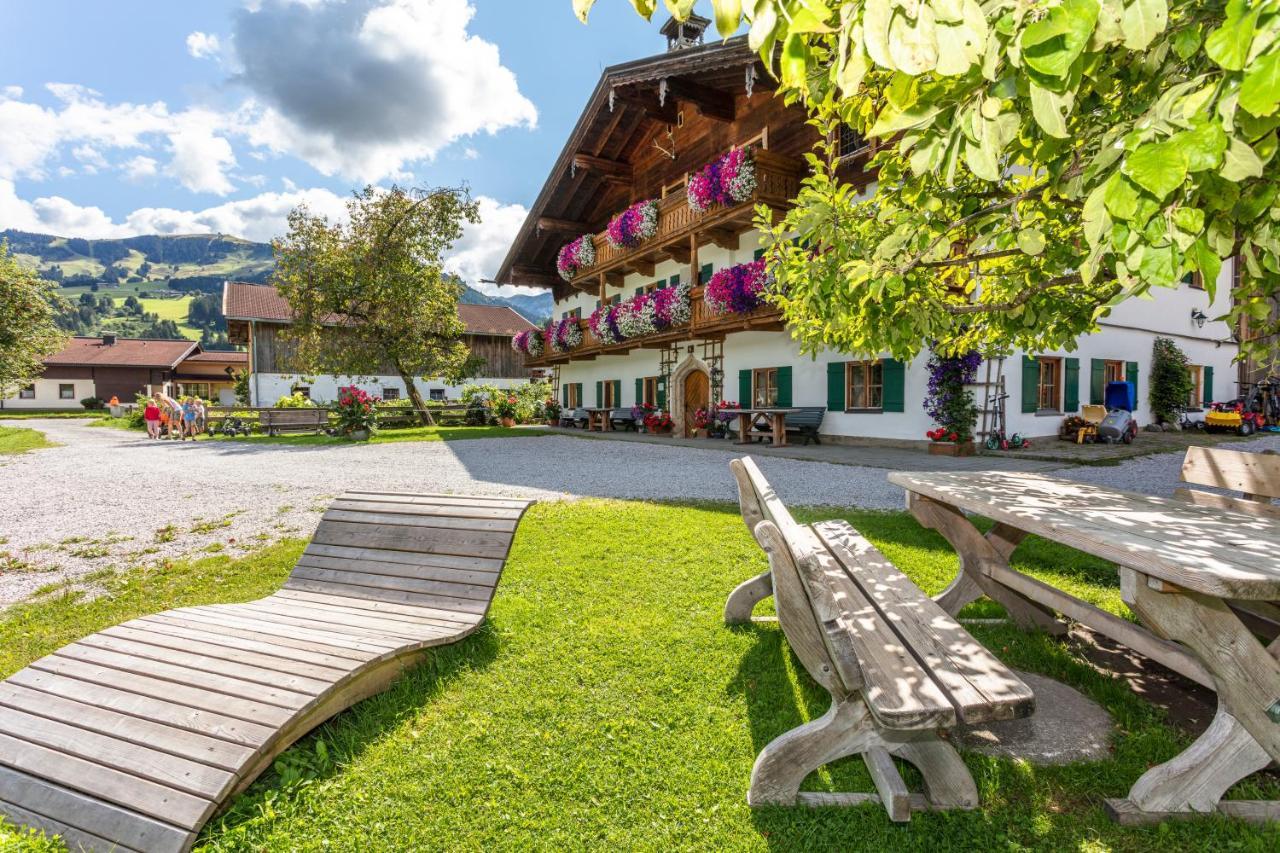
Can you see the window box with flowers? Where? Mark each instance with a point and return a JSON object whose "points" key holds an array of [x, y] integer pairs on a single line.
{"points": [[739, 289], [576, 256], [355, 414], [726, 181]]}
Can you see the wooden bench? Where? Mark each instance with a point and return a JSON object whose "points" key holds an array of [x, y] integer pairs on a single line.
{"points": [[276, 421], [897, 666], [622, 419], [573, 418], [806, 422], [132, 738]]}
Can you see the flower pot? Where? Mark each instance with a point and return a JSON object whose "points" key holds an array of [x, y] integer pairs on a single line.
{"points": [[951, 448], [553, 421], [358, 435], [699, 433], [508, 422]]}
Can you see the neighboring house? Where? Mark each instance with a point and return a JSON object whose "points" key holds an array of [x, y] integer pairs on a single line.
{"points": [[652, 122], [211, 375], [257, 316], [103, 367]]}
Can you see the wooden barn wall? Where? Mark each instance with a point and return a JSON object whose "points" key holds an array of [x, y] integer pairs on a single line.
{"points": [[500, 360]]}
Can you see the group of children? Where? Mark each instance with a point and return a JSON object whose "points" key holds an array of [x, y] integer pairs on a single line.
{"points": [[169, 418]]}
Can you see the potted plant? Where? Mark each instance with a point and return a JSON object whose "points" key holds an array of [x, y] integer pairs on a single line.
{"points": [[551, 411], [354, 410], [640, 414], [701, 420], [505, 409], [951, 405], [658, 423]]}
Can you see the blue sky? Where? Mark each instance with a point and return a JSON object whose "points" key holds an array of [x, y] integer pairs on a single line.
{"points": [[149, 116]]}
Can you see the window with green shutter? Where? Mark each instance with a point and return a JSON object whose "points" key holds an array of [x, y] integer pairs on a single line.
{"points": [[783, 396], [1071, 385], [835, 386], [662, 392], [599, 394], [674, 280], [744, 389], [1208, 386], [1030, 383], [1131, 376], [564, 395], [639, 390], [616, 401], [1097, 380], [704, 274], [757, 254], [894, 376], [640, 290]]}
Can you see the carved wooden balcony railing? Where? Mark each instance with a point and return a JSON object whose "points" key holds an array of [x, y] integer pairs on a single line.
{"points": [[703, 324], [777, 184]]}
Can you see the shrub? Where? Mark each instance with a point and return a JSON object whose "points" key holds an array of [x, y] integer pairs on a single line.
{"points": [[93, 403], [295, 401], [1170, 380], [354, 410], [529, 398], [506, 407]]}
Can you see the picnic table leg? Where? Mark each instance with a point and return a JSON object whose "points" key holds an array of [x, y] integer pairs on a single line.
{"points": [[1245, 734], [779, 430], [744, 422], [977, 552]]}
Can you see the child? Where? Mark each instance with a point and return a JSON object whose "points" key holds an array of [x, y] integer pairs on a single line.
{"points": [[188, 419], [151, 415]]}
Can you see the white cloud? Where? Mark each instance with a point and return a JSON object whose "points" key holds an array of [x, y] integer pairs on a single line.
{"points": [[201, 159], [11, 92], [203, 45], [140, 167], [471, 154], [367, 87], [480, 251], [89, 156]]}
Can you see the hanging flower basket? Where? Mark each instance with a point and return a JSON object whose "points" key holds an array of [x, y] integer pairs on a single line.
{"points": [[530, 342], [738, 289], [564, 335], [633, 226], [575, 257], [729, 180], [604, 324]]}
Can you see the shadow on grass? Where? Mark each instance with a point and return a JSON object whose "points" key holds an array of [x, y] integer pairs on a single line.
{"points": [[330, 747]]}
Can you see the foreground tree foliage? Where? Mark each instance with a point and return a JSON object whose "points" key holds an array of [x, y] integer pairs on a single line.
{"points": [[1039, 162], [368, 294], [29, 330]]}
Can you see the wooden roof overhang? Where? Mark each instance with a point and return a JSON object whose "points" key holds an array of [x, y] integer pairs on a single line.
{"points": [[591, 179]]}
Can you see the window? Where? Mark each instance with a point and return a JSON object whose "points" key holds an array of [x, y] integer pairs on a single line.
{"points": [[850, 142], [610, 396], [1197, 386], [392, 393], [197, 389], [1113, 371], [574, 397], [864, 386], [304, 390], [28, 393], [1049, 389], [436, 393], [649, 386], [764, 384], [66, 392]]}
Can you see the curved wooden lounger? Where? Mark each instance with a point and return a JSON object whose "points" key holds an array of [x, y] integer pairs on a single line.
{"points": [[132, 738]]}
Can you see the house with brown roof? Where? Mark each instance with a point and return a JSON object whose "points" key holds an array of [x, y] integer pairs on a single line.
{"points": [[258, 316], [110, 366]]}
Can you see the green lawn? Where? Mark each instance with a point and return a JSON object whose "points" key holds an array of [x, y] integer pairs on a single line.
{"points": [[61, 414], [390, 436], [19, 440], [606, 706]]}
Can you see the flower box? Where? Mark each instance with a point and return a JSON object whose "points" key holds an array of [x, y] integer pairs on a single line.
{"points": [[952, 448]]}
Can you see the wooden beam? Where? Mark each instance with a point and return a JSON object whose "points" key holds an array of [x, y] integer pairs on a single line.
{"points": [[615, 278], [535, 276], [602, 166], [568, 226], [643, 266], [678, 253], [725, 238], [695, 274], [647, 102], [712, 103]]}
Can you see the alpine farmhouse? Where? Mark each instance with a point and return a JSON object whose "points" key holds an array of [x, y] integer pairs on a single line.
{"points": [[653, 125], [258, 317]]}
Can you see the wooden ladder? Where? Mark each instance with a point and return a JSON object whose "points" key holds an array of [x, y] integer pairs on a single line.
{"points": [[985, 406]]}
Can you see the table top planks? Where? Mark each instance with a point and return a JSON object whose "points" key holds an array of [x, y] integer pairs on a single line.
{"points": [[131, 738], [1205, 549]]}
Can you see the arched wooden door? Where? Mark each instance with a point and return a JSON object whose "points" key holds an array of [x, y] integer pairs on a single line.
{"points": [[696, 396]]}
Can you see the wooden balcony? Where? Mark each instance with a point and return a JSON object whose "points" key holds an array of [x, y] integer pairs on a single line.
{"points": [[681, 230], [703, 325]]}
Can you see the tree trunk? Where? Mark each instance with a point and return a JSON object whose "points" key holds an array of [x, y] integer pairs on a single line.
{"points": [[424, 417]]}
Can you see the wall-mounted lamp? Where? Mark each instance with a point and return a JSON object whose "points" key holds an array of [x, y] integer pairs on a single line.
{"points": [[1198, 317]]}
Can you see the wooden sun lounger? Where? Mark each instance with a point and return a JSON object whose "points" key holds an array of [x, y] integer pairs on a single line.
{"points": [[132, 738]]}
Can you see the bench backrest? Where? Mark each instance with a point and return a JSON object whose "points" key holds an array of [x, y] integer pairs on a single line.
{"points": [[1255, 475], [807, 611], [295, 416], [809, 416]]}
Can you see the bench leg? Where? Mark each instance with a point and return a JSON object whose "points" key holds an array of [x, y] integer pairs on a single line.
{"points": [[782, 766], [947, 781], [745, 596]]}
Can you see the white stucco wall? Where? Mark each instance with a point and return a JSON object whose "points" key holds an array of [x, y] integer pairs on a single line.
{"points": [[266, 388], [47, 395]]}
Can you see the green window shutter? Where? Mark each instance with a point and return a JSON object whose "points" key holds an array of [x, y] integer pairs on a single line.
{"points": [[617, 393], [704, 274], [639, 390], [662, 392], [599, 394], [1071, 385], [640, 290], [1131, 376], [581, 398], [1097, 380], [784, 386], [893, 374], [744, 389], [757, 254], [835, 386], [674, 280], [564, 395], [1030, 383], [597, 303], [1208, 386]]}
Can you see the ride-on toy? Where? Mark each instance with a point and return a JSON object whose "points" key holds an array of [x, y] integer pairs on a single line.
{"points": [[1119, 424], [1258, 408]]}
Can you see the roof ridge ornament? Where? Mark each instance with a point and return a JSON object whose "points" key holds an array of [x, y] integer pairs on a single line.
{"points": [[685, 34]]}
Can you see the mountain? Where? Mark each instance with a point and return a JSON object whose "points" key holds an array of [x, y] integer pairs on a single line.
{"points": [[158, 266]]}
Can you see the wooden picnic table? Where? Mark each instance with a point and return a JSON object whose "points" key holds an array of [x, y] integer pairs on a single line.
{"points": [[1193, 574], [598, 419], [765, 419]]}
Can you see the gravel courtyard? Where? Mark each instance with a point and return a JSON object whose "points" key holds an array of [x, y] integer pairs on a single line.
{"points": [[108, 498]]}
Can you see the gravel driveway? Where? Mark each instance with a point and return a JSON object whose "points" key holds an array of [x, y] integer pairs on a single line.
{"points": [[110, 498]]}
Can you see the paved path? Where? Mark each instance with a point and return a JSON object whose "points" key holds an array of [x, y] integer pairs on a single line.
{"points": [[111, 498]]}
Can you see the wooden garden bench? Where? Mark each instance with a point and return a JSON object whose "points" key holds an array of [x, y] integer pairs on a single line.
{"points": [[806, 422], [621, 419], [897, 666], [132, 738], [276, 421]]}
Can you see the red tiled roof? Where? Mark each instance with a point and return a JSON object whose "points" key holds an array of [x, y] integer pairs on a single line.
{"points": [[125, 352], [220, 356], [242, 301]]}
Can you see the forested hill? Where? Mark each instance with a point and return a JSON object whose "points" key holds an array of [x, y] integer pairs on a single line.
{"points": [[186, 264]]}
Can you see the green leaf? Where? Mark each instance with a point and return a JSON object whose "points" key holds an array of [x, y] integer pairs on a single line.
{"points": [[958, 49], [680, 9], [1031, 241], [795, 60], [645, 8], [1202, 146], [1096, 221], [1159, 168], [728, 14], [1156, 264], [891, 121], [1260, 91], [1051, 44], [1189, 219], [982, 161], [1050, 110], [582, 8], [1228, 45], [1207, 261], [1241, 162], [1142, 21], [1186, 41], [763, 22], [875, 21], [1120, 197], [913, 45], [855, 65]]}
